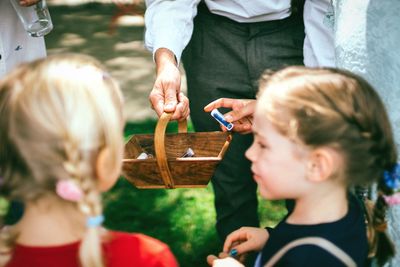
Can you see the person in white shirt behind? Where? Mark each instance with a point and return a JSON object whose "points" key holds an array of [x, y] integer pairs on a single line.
{"points": [[224, 45], [319, 50], [16, 46]]}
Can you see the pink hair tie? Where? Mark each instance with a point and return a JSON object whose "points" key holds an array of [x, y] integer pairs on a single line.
{"points": [[393, 199], [69, 190]]}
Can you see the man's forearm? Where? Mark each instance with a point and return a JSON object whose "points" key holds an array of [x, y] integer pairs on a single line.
{"points": [[164, 56]]}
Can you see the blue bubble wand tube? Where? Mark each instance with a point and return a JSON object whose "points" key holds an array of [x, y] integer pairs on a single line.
{"points": [[220, 118]]}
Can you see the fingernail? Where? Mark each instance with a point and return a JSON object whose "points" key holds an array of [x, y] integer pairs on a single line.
{"points": [[233, 252]]}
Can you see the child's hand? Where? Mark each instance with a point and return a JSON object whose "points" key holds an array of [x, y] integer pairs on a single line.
{"points": [[244, 240], [241, 115], [223, 262]]}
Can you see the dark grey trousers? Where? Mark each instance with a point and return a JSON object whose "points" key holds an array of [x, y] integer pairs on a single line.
{"points": [[225, 59]]}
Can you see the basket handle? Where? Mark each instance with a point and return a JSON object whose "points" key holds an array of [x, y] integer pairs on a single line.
{"points": [[159, 144]]}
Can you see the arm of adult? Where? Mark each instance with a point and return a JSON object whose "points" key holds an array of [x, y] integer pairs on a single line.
{"points": [[166, 95], [241, 114], [28, 2], [169, 26]]}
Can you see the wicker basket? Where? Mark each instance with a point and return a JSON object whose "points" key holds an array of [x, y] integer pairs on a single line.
{"points": [[168, 169]]}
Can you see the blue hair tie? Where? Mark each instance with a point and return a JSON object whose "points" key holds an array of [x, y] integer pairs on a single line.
{"points": [[392, 178], [95, 221]]}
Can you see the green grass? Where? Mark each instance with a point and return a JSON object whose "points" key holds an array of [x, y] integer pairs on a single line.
{"points": [[182, 218]]}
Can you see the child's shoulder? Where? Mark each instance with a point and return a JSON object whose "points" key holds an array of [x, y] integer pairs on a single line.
{"points": [[312, 255], [347, 234], [135, 241], [137, 249]]}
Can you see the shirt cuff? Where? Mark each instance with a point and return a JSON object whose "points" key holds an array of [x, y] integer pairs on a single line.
{"points": [[165, 39]]}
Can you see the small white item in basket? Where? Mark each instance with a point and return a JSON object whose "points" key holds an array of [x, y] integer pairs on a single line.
{"points": [[143, 155], [188, 154]]}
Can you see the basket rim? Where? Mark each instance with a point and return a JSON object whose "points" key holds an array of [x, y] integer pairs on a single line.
{"points": [[172, 134], [174, 159]]}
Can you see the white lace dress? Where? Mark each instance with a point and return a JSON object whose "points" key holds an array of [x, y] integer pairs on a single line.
{"points": [[367, 42]]}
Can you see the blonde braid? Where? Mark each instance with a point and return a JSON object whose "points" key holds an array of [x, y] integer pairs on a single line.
{"points": [[90, 252], [8, 236]]}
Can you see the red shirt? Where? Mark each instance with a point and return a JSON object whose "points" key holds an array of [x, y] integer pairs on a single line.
{"points": [[123, 250]]}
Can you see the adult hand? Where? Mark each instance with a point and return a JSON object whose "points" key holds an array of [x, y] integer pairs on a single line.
{"points": [[245, 239], [28, 2], [223, 262], [166, 95], [241, 115]]}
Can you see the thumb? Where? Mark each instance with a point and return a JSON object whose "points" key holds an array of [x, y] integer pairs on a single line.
{"points": [[242, 112], [170, 100], [211, 259], [235, 115]]}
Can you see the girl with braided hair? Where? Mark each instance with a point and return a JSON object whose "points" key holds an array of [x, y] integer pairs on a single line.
{"points": [[61, 144], [318, 134]]}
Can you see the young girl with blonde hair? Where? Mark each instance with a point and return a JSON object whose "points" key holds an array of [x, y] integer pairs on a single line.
{"points": [[61, 144], [318, 133]]}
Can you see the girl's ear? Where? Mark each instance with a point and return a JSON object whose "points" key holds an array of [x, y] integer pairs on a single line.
{"points": [[106, 174], [322, 164]]}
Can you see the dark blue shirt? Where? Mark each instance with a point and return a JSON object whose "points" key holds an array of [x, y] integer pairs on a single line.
{"points": [[348, 233]]}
